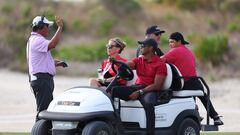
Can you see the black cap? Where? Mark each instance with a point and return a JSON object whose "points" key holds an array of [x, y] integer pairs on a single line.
{"points": [[178, 36], [150, 42], [154, 29]]}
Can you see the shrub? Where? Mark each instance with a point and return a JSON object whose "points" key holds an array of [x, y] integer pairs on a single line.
{"points": [[131, 42], [26, 12], [121, 7], [213, 24], [78, 26], [194, 38], [230, 6], [83, 52], [187, 4], [17, 43], [102, 24], [169, 17], [233, 27], [7, 9], [105, 26], [212, 49]]}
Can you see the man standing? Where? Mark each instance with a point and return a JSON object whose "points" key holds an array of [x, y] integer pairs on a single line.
{"points": [[155, 33], [148, 83], [40, 61]]}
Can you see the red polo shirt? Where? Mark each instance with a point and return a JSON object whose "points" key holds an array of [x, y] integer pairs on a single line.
{"points": [[146, 71], [107, 65], [183, 59]]}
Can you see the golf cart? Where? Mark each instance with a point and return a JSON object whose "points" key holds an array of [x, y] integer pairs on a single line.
{"points": [[87, 110]]}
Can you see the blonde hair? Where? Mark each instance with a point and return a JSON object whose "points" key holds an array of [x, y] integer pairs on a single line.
{"points": [[119, 42]]}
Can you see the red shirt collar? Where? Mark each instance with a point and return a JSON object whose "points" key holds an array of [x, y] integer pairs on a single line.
{"points": [[153, 59]]}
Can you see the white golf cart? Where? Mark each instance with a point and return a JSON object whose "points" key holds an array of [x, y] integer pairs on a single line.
{"points": [[91, 111]]}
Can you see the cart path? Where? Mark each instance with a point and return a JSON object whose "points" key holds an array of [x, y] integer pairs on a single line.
{"points": [[17, 103]]}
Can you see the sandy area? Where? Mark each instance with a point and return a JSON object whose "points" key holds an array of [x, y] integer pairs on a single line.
{"points": [[17, 103]]}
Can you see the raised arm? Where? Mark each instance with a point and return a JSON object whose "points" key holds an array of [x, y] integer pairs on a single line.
{"points": [[55, 39]]}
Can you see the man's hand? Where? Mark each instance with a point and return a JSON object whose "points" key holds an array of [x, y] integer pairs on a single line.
{"points": [[134, 95], [59, 21]]}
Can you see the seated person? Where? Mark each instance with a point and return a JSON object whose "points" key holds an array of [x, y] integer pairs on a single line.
{"points": [[114, 48], [148, 83], [155, 33], [184, 60]]}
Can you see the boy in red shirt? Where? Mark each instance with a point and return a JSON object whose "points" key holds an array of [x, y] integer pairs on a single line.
{"points": [[184, 60]]}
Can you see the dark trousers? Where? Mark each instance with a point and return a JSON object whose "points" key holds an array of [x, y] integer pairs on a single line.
{"points": [[148, 100], [197, 85], [43, 91]]}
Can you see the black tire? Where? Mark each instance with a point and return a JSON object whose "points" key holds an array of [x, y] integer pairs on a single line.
{"points": [[41, 127], [97, 128], [188, 127]]}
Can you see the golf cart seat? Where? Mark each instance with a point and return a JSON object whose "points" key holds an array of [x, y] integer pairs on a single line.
{"points": [[173, 83]]}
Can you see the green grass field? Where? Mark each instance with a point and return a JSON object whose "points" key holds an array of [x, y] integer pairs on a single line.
{"points": [[216, 133]]}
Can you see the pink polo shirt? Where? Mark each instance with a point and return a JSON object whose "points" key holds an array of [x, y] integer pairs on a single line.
{"points": [[39, 57], [183, 59]]}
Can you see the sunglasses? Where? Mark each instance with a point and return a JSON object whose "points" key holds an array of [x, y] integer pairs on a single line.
{"points": [[157, 34], [47, 25], [110, 46]]}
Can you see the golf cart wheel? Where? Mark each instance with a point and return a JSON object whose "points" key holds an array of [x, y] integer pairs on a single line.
{"points": [[188, 127], [42, 127], [97, 128]]}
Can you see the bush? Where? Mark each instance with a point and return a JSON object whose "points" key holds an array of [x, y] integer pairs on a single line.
{"points": [[26, 11], [164, 40], [213, 24], [102, 24], [233, 27], [131, 42], [230, 6], [169, 17], [121, 7], [7, 9], [194, 38], [187, 4], [78, 26], [83, 52], [105, 27], [212, 49]]}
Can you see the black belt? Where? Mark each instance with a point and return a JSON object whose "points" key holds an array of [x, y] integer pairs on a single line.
{"points": [[43, 74]]}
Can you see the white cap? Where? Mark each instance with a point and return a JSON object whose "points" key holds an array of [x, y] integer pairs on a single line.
{"points": [[38, 19]]}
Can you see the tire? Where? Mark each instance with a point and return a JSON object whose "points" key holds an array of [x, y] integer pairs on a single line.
{"points": [[41, 127], [188, 127], [97, 128]]}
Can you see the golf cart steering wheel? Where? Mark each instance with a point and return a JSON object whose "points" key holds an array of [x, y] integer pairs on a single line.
{"points": [[124, 71]]}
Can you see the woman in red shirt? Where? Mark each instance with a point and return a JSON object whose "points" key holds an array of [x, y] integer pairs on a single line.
{"points": [[114, 48]]}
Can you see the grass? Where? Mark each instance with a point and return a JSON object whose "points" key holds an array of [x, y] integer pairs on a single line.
{"points": [[215, 133], [223, 133], [14, 133]]}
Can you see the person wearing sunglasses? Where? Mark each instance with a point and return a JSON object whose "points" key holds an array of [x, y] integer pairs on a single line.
{"points": [[184, 60], [148, 83], [155, 33], [106, 74]]}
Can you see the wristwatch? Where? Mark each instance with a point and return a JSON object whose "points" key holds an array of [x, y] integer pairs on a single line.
{"points": [[141, 92]]}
